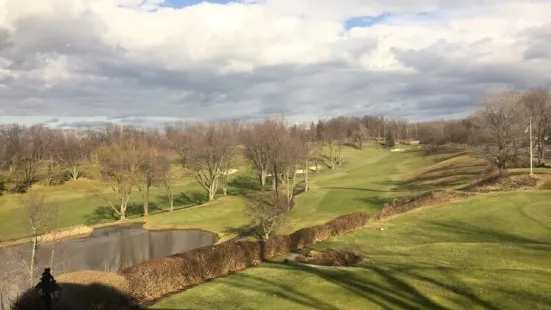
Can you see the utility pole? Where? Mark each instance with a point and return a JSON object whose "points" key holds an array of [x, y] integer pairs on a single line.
{"points": [[531, 161]]}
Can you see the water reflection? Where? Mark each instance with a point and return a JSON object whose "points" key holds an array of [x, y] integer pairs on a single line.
{"points": [[107, 249]]}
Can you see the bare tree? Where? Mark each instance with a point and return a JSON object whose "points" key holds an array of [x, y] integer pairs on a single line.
{"points": [[119, 166], [12, 146], [54, 161], [40, 217], [73, 153], [304, 153], [34, 152], [360, 134], [207, 150], [257, 150], [335, 135], [502, 128], [538, 103], [268, 211], [284, 159], [149, 157], [167, 178]]}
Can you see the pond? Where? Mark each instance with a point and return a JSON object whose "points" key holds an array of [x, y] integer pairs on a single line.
{"points": [[106, 249]]}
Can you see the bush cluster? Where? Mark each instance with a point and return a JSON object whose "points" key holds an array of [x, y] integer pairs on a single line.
{"points": [[330, 257], [154, 279], [429, 198], [149, 281]]}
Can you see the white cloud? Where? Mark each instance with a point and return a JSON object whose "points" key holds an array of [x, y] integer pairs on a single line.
{"points": [[250, 59]]}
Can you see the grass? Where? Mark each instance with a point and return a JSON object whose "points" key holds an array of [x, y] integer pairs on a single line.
{"points": [[367, 179], [492, 251], [488, 252], [78, 206], [224, 216]]}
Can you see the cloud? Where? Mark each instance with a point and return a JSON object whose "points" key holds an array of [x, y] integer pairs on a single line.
{"points": [[141, 62]]}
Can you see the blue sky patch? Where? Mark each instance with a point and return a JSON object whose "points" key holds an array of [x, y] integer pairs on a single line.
{"points": [[184, 3], [365, 21]]}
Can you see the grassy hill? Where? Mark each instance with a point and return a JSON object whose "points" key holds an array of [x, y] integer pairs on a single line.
{"points": [[492, 251], [488, 252], [366, 180]]}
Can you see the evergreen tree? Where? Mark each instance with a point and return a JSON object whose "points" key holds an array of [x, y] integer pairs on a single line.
{"points": [[390, 139]]}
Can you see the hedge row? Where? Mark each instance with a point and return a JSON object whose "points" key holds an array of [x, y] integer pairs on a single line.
{"points": [[398, 206], [154, 279]]}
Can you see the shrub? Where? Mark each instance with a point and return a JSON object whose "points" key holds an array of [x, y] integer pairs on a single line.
{"points": [[276, 246], [19, 188], [153, 279], [2, 185], [429, 198], [330, 257], [524, 181], [268, 211], [307, 236], [348, 223], [389, 142]]}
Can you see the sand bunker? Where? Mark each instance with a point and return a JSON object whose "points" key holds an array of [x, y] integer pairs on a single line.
{"points": [[230, 171]]}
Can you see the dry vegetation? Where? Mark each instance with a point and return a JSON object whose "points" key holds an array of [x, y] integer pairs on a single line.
{"points": [[149, 281], [330, 257], [131, 160]]}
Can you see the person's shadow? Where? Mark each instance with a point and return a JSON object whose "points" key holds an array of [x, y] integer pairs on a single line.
{"points": [[80, 297]]}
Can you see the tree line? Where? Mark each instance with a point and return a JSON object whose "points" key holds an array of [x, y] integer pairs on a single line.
{"points": [[135, 159]]}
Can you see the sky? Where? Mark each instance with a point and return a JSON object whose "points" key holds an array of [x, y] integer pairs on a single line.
{"points": [[70, 63]]}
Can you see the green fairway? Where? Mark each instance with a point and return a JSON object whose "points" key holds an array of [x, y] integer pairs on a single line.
{"points": [[492, 251], [77, 205], [364, 182], [375, 176]]}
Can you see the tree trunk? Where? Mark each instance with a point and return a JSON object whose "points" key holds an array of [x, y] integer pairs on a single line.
{"points": [[75, 173], [292, 187], [540, 151], [145, 208], [286, 177], [146, 202], [33, 258], [262, 178], [124, 204], [171, 199], [212, 191], [339, 156], [306, 168], [52, 255]]}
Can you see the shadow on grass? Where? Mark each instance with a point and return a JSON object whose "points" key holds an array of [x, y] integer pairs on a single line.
{"points": [[378, 201], [368, 189], [277, 289], [440, 178], [352, 145], [483, 234], [103, 214], [243, 185], [385, 287], [243, 231], [450, 153], [183, 199], [80, 297]]}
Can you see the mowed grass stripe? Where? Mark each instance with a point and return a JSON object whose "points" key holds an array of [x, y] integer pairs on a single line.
{"points": [[479, 253]]}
